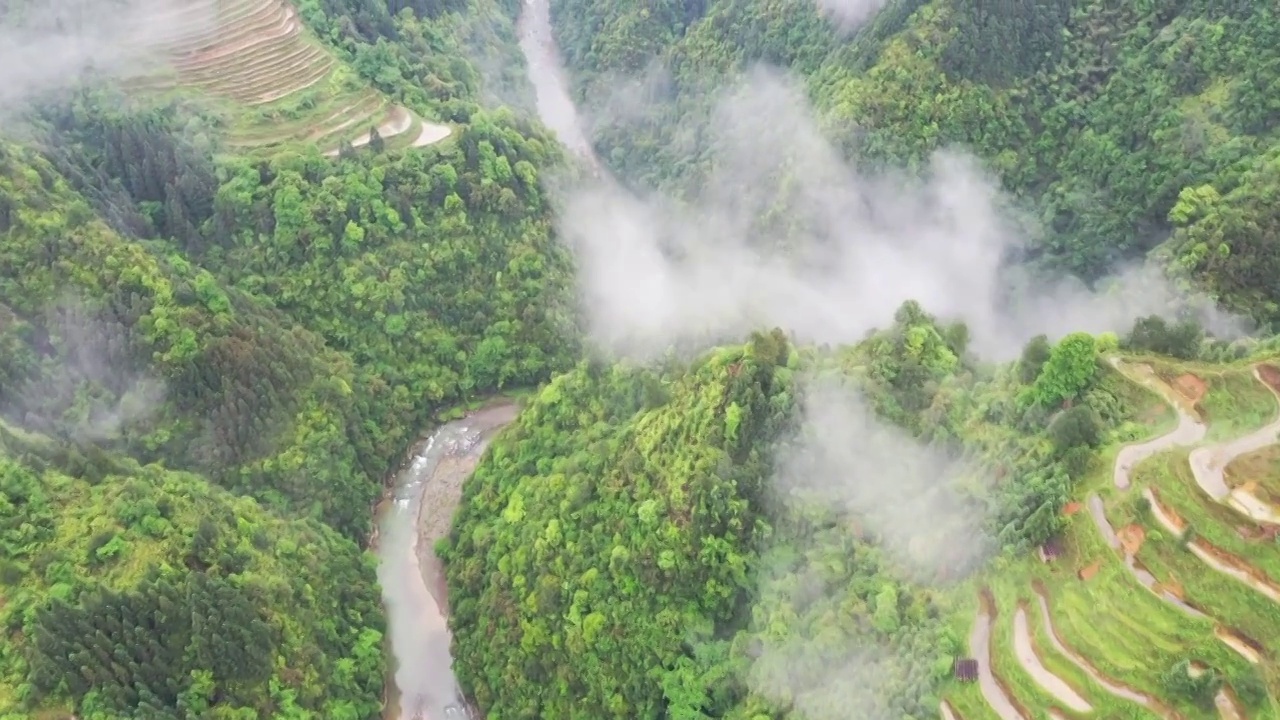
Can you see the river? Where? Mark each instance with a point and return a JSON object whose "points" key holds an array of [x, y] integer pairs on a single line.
{"points": [[417, 512], [545, 69], [419, 509]]}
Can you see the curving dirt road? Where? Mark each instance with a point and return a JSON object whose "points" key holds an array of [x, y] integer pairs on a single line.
{"points": [[1209, 464], [417, 514], [1054, 685], [980, 648], [1190, 429], [1121, 691]]}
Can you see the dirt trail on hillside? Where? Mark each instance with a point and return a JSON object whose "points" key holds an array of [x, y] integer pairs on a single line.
{"points": [[1139, 572], [1218, 559], [1166, 519], [1242, 498], [1208, 463], [980, 648], [431, 134], [398, 121], [1190, 429], [1115, 688], [1054, 685]]}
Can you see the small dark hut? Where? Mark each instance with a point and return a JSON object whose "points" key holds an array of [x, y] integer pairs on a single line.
{"points": [[1052, 550], [966, 669]]}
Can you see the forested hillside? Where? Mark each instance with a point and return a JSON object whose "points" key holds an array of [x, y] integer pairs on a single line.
{"points": [[1119, 125], [735, 539], [794, 584], [212, 360], [227, 307]]}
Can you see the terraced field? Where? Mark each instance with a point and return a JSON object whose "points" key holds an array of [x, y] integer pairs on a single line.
{"points": [[277, 83], [1165, 600]]}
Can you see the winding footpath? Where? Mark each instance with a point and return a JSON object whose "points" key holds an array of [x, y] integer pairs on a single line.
{"points": [[980, 648], [1190, 429], [418, 512], [1119, 690], [1030, 661], [1209, 465]]}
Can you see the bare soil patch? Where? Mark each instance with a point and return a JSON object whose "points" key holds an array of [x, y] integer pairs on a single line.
{"points": [[1191, 387], [1086, 573], [1270, 375], [1131, 538]]}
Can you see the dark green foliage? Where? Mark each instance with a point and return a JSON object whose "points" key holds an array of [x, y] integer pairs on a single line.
{"points": [[179, 601], [206, 626], [1073, 428], [1181, 339], [1034, 355], [1197, 685]]}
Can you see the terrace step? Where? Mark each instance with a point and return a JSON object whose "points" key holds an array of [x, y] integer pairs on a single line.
{"points": [[269, 49], [272, 18], [321, 74], [228, 27], [230, 77], [282, 77]]}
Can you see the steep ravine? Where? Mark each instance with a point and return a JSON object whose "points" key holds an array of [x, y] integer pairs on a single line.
{"points": [[420, 510], [546, 73], [416, 514]]}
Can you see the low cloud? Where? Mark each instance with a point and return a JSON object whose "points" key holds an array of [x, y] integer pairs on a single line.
{"points": [[47, 47], [849, 14], [785, 233], [891, 487], [88, 387]]}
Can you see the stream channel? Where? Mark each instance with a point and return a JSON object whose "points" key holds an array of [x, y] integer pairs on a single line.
{"points": [[417, 513], [419, 508]]}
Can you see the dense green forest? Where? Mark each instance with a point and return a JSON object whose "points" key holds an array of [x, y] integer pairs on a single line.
{"points": [[633, 546], [1117, 125], [211, 361]]}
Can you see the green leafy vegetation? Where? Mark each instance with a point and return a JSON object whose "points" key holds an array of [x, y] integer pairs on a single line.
{"points": [[210, 360], [1116, 126]]}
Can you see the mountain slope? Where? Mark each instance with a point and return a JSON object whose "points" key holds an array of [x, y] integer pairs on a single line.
{"points": [[851, 598], [275, 82], [1097, 116]]}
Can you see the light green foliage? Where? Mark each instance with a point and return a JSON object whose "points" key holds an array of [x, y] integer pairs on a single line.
{"points": [[615, 522], [1070, 370]]}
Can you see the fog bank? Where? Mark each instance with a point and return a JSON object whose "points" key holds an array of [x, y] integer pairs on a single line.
{"points": [[46, 47], [785, 233]]}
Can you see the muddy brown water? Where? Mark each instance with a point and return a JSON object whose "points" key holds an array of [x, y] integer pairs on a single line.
{"points": [[417, 513]]}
